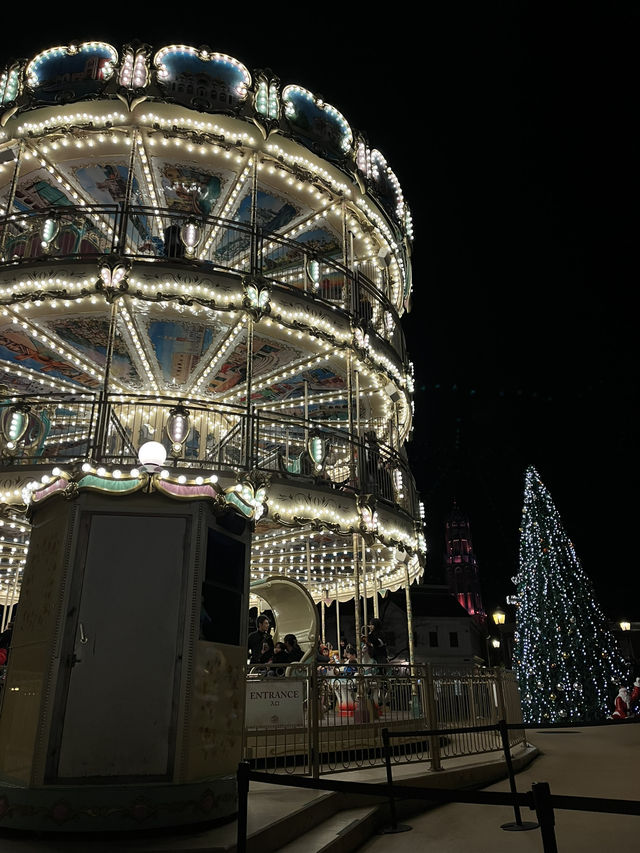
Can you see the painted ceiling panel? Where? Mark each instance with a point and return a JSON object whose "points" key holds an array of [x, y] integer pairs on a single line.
{"points": [[189, 188], [24, 348], [318, 379], [21, 384], [268, 356], [89, 335], [273, 212], [178, 345], [38, 190]]}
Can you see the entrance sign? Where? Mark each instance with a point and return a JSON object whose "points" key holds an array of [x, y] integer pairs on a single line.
{"points": [[275, 703]]}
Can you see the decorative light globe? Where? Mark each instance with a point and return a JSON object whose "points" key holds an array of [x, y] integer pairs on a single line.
{"points": [[152, 455]]}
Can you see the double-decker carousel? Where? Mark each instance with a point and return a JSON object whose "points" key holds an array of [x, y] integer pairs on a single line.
{"points": [[204, 258], [202, 275]]}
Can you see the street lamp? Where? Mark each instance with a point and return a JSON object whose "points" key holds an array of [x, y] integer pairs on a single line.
{"points": [[499, 616], [626, 627], [495, 643]]}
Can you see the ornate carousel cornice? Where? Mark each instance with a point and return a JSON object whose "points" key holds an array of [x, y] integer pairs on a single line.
{"points": [[247, 497]]}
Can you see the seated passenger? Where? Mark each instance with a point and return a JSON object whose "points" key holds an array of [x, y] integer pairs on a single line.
{"points": [[351, 664], [280, 655], [293, 649], [322, 658]]}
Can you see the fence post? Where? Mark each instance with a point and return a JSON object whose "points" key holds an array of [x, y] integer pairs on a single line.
{"points": [[544, 810], [519, 824], [502, 709], [395, 826], [314, 701], [432, 719], [242, 777]]}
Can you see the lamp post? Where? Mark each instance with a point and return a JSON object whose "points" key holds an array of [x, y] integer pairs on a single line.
{"points": [[625, 627], [495, 642], [492, 642], [500, 617]]}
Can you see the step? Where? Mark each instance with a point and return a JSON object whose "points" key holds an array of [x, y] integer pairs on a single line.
{"points": [[344, 832]]}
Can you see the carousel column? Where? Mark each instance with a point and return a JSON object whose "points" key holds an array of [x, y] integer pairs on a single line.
{"points": [[255, 269], [248, 436], [376, 606], [415, 700], [365, 594], [353, 461], [407, 591], [122, 236], [102, 421], [356, 597], [346, 259], [255, 253], [338, 618], [11, 197]]}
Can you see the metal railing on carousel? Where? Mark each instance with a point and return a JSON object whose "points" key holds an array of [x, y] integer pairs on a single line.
{"points": [[332, 717], [160, 234], [200, 434]]}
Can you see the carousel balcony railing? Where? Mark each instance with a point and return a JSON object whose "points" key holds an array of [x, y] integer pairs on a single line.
{"points": [[70, 231], [37, 431], [151, 233], [345, 708]]}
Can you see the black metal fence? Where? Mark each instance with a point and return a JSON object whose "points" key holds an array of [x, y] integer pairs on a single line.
{"points": [[539, 799]]}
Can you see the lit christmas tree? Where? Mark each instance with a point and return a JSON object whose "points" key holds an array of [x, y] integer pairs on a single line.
{"points": [[567, 661]]}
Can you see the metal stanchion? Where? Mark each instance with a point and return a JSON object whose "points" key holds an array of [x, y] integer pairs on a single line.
{"points": [[395, 826], [242, 777], [518, 825], [542, 799]]}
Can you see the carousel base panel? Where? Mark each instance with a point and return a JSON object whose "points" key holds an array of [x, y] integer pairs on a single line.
{"points": [[117, 808]]}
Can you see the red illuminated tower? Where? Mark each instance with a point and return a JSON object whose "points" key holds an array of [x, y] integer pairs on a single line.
{"points": [[462, 569]]}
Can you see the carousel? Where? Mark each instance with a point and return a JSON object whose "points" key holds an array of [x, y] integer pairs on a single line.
{"points": [[203, 271]]}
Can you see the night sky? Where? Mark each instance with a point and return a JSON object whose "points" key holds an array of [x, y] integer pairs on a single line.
{"points": [[514, 136]]}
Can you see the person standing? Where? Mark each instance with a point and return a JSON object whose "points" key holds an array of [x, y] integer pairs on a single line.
{"points": [[260, 642], [375, 642], [635, 697]]}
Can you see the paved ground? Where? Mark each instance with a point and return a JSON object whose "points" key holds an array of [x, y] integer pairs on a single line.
{"points": [[603, 761]]}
